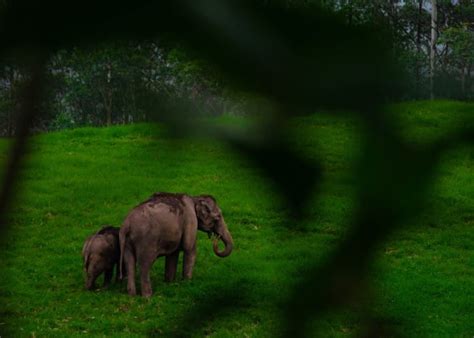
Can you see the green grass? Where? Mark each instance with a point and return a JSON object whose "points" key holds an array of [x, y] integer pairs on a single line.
{"points": [[74, 181]]}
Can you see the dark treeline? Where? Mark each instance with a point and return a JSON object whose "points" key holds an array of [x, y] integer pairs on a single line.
{"points": [[112, 83], [121, 81], [412, 24]]}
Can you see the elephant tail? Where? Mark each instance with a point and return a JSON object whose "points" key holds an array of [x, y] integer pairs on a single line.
{"points": [[87, 262], [124, 230]]}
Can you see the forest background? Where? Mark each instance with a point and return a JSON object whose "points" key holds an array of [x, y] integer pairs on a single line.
{"points": [[120, 81]]}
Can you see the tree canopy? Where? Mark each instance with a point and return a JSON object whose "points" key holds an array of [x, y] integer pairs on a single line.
{"points": [[121, 81]]}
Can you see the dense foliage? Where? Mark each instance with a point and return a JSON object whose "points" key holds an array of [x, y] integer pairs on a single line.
{"points": [[410, 24], [121, 81], [115, 82]]}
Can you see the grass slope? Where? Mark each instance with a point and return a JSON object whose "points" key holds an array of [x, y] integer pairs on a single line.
{"points": [[74, 181]]}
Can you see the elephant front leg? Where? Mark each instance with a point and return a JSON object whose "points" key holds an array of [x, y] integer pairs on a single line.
{"points": [[188, 264], [171, 266]]}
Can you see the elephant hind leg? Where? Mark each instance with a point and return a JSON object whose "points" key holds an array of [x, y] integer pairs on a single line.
{"points": [[129, 258], [108, 273], [171, 266], [146, 260]]}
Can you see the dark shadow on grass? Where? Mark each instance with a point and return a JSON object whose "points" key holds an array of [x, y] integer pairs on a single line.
{"points": [[206, 309], [394, 179]]}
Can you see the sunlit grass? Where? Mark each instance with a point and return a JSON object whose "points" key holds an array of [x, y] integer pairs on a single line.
{"points": [[74, 181]]}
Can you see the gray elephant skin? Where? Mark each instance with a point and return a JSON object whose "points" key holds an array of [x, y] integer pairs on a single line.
{"points": [[164, 225], [101, 253]]}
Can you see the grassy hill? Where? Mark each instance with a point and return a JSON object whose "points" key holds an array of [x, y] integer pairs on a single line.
{"points": [[74, 181]]}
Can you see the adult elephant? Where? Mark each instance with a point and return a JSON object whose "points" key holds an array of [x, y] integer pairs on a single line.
{"points": [[164, 225]]}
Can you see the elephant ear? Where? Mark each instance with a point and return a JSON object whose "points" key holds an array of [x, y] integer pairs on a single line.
{"points": [[202, 210], [204, 207]]}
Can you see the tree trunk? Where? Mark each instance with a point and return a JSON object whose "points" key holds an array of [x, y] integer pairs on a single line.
{"points": [[434, 38], [418, 49], [11, 97], [468, 81], [108, 98], [108, 109], [351, 14], [463, 82]]}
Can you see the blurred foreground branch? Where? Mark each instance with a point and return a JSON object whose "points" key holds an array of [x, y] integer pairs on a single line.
{"points": [[295, 56], [27, 110]]}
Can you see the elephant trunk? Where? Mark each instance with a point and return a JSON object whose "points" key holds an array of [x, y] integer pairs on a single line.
{"points": [[91, 271], [90, 281], [226, 237]]}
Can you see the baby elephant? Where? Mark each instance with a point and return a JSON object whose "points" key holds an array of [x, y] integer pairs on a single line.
{"points": [[101, 252]]}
